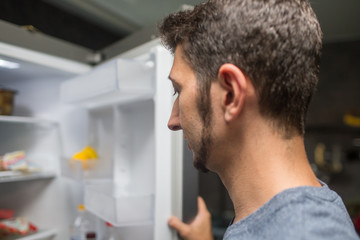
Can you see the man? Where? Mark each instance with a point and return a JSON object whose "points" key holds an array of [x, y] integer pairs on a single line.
{"points": [[244, 72]]}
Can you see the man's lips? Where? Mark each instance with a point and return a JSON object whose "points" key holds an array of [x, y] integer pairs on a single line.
{"points": [[189, 146]]}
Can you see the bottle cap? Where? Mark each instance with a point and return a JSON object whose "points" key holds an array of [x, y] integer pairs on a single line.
{"points": [[81, 207]]}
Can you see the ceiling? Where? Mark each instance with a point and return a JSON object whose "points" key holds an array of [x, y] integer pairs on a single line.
{"points": [[96, 24]]}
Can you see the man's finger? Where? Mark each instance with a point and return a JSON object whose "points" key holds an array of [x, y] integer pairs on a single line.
{"points": [[179, 226]]}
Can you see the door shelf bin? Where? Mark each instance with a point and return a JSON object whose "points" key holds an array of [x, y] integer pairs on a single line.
{"points": [[73, 170], [120, 80], [112, 203], [16, 176]]}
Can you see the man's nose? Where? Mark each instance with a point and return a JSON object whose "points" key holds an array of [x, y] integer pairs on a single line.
{"points": [[174, 120]]}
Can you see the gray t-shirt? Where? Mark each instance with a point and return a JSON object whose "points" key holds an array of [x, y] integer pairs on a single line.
{"points": [[297, 213]]}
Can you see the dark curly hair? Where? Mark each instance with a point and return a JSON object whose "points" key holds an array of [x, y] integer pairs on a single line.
{"points": [[276, 43]]}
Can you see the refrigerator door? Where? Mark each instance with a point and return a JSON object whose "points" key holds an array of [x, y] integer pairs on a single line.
{"points": [[136, 184]]}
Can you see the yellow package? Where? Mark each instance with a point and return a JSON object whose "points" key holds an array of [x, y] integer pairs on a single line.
{"points": [[87, 156]]}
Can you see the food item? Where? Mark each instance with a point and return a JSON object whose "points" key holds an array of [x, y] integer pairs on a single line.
{"points": [[6, 101], [16, 226], [87, 156], [14, 161], [6, 213], [87, 153]]}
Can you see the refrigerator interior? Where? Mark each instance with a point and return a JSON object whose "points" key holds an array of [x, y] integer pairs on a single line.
{"points": [[34, 128], [120, 108]]}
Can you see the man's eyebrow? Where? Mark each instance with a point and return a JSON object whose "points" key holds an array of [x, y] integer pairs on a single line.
{"points": [[173, 80]]}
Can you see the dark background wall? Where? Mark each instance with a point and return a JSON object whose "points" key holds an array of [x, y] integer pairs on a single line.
{"points": [[338, 95]]}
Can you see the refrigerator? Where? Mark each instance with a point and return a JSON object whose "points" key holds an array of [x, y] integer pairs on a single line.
{"points": [[119, 107]]}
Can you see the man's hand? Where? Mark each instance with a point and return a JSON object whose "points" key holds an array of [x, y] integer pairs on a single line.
{"points": [[199, 228]]}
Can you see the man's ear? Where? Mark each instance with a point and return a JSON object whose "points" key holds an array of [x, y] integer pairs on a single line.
{"points": [[234, 82]]}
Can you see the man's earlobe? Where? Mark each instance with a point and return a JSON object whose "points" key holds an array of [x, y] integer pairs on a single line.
{"points": [[234, 82]]}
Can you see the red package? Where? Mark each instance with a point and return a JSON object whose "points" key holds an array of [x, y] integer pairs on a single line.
{"points": [[6, 213], [16, 226]]}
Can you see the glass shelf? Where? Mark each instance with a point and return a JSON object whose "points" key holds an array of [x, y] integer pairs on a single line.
{"points": [[40, 235], [27, 120], [15, 176]]}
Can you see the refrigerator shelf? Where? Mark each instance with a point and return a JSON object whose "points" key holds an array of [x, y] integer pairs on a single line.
{"points": [[41, 235], [113, 203], [14, 176], [27, 120]]}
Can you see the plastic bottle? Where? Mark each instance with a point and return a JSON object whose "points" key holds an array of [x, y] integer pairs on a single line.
{"points": [[83, 227], [110, 233]]}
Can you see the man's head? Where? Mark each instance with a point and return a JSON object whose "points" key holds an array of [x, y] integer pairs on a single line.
{"points": [[275, 43]]}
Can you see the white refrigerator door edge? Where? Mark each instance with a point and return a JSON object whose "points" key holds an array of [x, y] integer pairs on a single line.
{"points": [[167, 145]]}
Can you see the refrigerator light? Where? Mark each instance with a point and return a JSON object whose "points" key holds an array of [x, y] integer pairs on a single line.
{"points": [[8, 64]]}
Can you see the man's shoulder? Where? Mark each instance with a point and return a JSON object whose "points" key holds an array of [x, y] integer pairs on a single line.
{"points": [[299, 213]]}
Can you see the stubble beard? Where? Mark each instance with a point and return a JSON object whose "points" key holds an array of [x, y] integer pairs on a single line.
{"points": [[201, 155]]}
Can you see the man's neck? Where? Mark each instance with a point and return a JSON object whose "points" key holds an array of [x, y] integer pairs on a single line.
{"points": [[263, 169]]}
